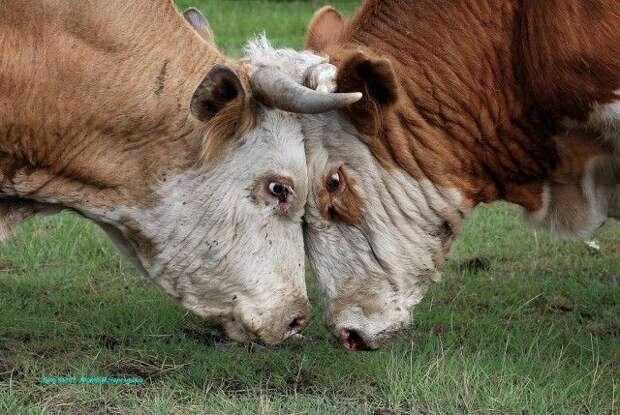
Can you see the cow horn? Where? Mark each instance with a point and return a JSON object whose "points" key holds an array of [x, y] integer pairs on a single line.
{"points": [[274, 88]]}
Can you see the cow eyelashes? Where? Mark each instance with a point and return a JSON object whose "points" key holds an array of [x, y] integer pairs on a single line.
{"points": [[334, 182]]}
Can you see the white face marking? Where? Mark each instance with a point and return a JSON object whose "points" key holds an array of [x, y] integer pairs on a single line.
{"points": [[373, 273], [239, 257], [220, 242]]}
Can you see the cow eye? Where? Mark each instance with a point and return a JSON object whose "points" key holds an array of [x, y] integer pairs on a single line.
{"points": [[333, 182], [277, 189]]}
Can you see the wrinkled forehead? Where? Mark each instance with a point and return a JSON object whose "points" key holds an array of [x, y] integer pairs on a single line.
{"points": [[331, 141]]}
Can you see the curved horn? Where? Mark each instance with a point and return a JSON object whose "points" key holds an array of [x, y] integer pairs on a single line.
{"points": [[272, 87]]}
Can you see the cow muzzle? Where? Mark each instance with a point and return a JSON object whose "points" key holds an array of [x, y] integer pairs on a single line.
{"points": [[270, 329]]}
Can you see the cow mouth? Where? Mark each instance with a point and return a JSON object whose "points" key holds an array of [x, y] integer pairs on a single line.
{"points": [[295, 327]]}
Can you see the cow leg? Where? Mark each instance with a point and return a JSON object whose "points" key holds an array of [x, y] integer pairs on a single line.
{"points": [[606, 119], [614, 204], [13, 212], [576, 206], [606, 175], [12, 216]]}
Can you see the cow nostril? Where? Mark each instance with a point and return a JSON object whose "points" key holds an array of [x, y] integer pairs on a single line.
{"points": [[352, 341], [297, 324]]}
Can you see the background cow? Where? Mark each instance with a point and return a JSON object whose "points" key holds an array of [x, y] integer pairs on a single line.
{"points": [[124, 115], [451, 118]]}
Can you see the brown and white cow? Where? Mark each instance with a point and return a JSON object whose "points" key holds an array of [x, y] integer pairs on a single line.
{"points": [[464, 103], [121, 112]]}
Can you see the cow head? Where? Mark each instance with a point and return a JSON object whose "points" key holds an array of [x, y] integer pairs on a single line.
{"points": [[375, 236], [228, 240]]}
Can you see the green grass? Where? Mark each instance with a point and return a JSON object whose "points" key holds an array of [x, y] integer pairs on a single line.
{"points": [[234, 21], [536, 331]]}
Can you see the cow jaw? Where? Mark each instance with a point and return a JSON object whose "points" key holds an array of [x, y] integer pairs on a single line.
{"points": [[219, 243], [381, 265]]}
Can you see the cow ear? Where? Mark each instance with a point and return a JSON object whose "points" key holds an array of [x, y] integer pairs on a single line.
{"points": [[375, 78], [218, 89], [200, 24], [326, 27]]}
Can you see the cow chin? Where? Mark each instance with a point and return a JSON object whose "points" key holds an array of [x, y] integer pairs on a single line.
{"points": [[368, 323]]}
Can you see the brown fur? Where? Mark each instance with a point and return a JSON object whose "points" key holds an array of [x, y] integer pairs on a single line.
{"points": [[346, 204], [326, 26], [234, 119], [571, 54], [94, 108], [467, 113]]}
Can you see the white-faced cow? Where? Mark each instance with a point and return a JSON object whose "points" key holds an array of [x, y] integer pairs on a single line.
{"points": [[464, 103], [121, 112]]}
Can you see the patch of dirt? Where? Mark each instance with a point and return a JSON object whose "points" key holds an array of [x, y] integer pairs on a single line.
{"points": [[300, 383], [6, 265], [474, 265], [136, 368], [303, 382], [132, 369], [603, 330], [209, 336], [585, 315], [233, 387], [8, 371], [438, 330], [110, 341], [10, 345], [561, 303]]}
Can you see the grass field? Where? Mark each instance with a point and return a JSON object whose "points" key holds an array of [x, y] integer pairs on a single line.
{"points": [[521, 324]]}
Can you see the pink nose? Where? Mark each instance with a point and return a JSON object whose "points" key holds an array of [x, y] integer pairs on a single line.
{"points": [[352, 341]]}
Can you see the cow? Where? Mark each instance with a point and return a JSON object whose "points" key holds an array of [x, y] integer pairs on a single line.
{"points": [[127, 115], [464, 103]]}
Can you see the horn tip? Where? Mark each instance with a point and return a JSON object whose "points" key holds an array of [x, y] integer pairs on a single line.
{"points": [[356, 96]]}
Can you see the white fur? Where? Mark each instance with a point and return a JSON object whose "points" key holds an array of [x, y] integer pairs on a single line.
{"points": [[371, 275], [303, 67], [219, 250], [606, 118]]}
